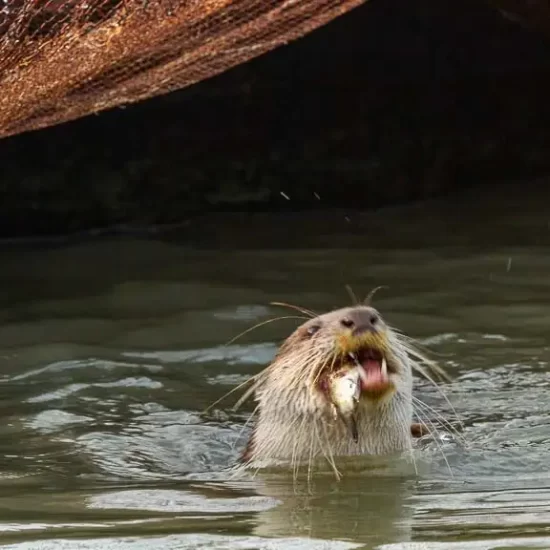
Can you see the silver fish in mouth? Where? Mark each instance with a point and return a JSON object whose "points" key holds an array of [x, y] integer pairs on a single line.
{"points": [[345, 389]]}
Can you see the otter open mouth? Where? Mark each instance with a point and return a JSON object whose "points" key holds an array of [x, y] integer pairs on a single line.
{"points": [[362, 372], [373, 370]]}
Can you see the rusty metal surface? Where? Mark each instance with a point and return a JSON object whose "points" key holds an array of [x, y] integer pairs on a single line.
{"points": [[532, 14], [64, 59]]}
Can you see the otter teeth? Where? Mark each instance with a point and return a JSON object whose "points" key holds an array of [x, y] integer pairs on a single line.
{"points": [[383, 365]]}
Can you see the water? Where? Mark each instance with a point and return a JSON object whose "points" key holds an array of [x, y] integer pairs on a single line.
{"points": [[111, 349]]}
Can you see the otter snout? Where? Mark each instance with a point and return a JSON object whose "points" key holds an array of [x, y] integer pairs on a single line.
{"points": [[361, 320]]}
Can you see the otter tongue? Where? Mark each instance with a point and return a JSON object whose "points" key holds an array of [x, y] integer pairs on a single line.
{"points": [[373, 373]]}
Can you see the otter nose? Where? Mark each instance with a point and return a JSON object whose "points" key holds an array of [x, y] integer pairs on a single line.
{"points": [[360, 321]]}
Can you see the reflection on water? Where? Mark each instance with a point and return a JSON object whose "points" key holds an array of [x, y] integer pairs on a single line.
{"points": [[111, 350]]}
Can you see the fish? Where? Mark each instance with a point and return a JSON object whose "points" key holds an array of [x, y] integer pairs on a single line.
{"points": [[345, 389]]}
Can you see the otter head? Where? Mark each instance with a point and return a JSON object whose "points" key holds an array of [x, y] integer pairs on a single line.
{"points": [[296, 409]]}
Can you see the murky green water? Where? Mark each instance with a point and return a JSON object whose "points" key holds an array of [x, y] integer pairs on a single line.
{"points": [[110, 350]]}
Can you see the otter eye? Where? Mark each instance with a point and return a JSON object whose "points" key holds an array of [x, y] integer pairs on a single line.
{"points": [[312, 330]]}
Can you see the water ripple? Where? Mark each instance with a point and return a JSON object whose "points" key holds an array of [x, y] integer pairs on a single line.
{"points": [[258, 354]]}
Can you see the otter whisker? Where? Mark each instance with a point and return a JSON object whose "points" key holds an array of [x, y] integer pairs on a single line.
{"points": [[439, 390], [262, 324], [293, 458], [294, 462], [303, 310], [227, 394], [309, 463], [403, 417], [305, 356], [411, 346], [424, 373], [420, 407], [329, 456], [299, 366], [245, 425], [411, 454], [268, 447], [447, 400], [296, 373], [422, 423], [440, 418], [416, 344], [436, 438], [368, 299], [248, 392], [432, 365], [256, 379], [352, 295], [322, 368]]}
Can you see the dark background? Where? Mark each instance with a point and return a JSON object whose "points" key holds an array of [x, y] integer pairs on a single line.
{"points": [[395, 101]]}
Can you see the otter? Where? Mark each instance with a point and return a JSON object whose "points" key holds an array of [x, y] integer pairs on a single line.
{"points": [[295, 411]]}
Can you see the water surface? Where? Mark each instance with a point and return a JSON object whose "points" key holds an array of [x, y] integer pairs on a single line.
{"points": [[111, 349]]}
